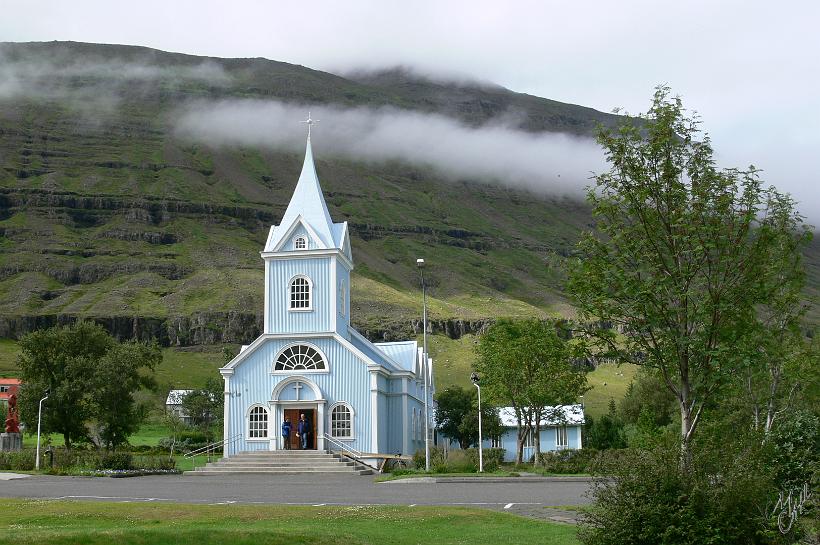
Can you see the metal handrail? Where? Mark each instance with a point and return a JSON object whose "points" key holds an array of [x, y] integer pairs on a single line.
{"points": [[210, 448], [349, 451], [344, 447]]}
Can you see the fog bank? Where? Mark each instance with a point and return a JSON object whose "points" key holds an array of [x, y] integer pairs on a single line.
{"points": [[545, 162]]}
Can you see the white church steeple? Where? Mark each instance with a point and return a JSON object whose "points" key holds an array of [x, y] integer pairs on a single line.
{"points": [[307, 205], [307, 262]]}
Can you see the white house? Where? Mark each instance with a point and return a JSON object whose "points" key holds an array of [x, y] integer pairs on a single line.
{"points": [[560, 430], [173, 404], [309, 360]]}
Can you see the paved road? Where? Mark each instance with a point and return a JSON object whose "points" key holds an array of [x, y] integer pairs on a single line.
{"points": [[524, 498]]}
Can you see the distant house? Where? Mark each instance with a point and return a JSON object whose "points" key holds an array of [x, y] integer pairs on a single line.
{"points": [[173, 404], [8, 387], [560, 430]]}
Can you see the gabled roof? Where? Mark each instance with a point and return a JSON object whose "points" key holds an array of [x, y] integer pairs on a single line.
{"points": [[555, 416], [404, 353], [175, 397], [308, 207]]}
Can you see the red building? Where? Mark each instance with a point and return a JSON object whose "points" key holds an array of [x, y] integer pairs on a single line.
{"points": [[8, 386]]}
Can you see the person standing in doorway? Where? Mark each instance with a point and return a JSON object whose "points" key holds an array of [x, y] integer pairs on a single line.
{"points": [[286, 426], [303, 431]]}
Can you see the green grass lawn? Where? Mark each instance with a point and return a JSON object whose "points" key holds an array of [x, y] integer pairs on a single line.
{"points": [[46, 521]]}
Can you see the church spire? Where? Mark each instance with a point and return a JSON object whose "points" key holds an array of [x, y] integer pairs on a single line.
{"points": [[307, 203]]}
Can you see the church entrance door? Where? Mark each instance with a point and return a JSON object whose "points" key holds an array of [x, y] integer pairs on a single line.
{"points": [[310, 415]]}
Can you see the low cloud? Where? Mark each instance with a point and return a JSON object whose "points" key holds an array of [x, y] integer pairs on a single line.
{"points": [[94, 88], [543, 162]]}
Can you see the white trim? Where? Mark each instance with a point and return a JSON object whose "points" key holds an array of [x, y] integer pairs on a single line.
{"points": [[226, 413], [281, 385], [334, 310], [306, 254], [374, 412], [322, 355], [260, 340], [266, 323], [289, 295], [349, 407], [248, 423], [299, 220], [296, 240]]}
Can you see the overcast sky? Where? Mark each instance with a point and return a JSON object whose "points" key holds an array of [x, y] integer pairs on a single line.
{"points": [[750, 68]]}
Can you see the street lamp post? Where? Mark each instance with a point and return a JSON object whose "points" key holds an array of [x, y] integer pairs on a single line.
{"points": [[474, 377], [420, 264], [39, 421]]}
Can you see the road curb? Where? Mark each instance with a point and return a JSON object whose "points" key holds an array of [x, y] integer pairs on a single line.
{"points": [[446, 480]]}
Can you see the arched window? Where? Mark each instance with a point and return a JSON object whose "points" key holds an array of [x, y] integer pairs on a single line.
{"points": [[415, 426], [300, 243], [342, 298], [300, 357], [300, 293], [258, 423], [341, 421]]}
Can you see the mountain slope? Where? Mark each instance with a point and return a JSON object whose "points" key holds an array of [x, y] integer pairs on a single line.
{"points": [[106, 213]]}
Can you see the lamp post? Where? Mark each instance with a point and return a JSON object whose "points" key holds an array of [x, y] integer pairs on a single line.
{"points": [[39, 420], [474, 377], [420, 264]]}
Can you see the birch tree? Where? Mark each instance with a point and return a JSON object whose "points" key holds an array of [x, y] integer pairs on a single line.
{"points": [[682, 256]]}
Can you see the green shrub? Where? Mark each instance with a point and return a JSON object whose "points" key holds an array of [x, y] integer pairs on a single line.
{"points": [[154, 462], [493, 457], [462, 461], [115, 460], [568, 461], [17, 461], [722, 497], [438, 459]]}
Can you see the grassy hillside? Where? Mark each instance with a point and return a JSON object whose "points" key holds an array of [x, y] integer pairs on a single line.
{"points": [[108, 214]]}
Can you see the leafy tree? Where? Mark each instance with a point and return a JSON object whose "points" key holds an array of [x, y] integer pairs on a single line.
{"points": [[490, 424], [648, 391], [606, 431], [205, 405], [120, 372], [683, 256], [527, 366], [457, 416], [64, 360], [452, 406]]}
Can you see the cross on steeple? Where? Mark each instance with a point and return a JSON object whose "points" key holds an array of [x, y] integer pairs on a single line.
{"points": [[309, 121]]}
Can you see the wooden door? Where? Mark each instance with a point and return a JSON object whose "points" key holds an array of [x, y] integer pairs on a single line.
{"points": [[310, 415]]}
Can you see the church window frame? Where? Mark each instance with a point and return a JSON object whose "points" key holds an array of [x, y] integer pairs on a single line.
{"points": [[300, 243], [257, 423], [300, 294], [293, 359], [342, 419]]}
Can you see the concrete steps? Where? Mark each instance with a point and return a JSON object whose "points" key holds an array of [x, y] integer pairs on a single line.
{"points": [[282, 462]]}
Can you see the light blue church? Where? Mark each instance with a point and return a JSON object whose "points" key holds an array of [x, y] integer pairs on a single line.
{"points": [[362, 396]]}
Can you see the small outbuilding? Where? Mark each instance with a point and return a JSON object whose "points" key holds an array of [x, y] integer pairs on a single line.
{"points": [[560, 430], [173, 404]]}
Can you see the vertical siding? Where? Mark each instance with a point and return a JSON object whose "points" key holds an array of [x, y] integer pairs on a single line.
{"points": [[342, 315], [348, 380], [280, 274]]}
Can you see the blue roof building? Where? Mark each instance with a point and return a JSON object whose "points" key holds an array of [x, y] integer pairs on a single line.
{"points": [[309, 360]]}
